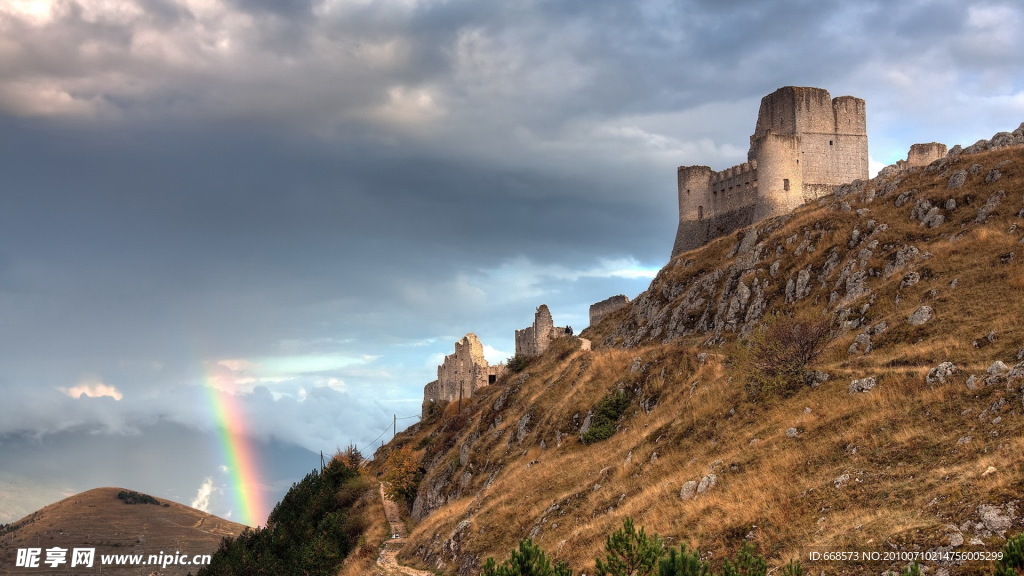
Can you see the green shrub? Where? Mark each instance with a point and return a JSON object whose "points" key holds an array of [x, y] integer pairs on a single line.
{"points": [[776, 356], [133, 497], [605, 418], [1012, 562], [745, 563], [683, 562], [517, 363], [793, 569], [528, 560], [630, 553]]}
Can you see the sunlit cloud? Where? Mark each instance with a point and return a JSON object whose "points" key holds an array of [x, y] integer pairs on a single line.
{"points": [[202, 499], [93, 389]]}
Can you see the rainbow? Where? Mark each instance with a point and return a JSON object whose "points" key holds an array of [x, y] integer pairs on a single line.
{"points": [[236, 451]]}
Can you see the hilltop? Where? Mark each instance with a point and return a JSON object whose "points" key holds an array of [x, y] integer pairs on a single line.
{"points": [[906, 435], [115, 521]]}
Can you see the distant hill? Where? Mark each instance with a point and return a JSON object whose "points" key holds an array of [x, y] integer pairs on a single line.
{"points": [[905, 437], [132, 524]]}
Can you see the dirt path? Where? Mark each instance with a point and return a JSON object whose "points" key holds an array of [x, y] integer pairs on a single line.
{"points": [[387, 561]]}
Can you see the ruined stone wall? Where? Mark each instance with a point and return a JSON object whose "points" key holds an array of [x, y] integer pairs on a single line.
{"points": [[534, 340], [605, 307], [460, 374], [431, 394], [925, 154]]}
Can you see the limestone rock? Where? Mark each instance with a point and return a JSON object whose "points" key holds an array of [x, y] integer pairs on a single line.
{"points": [[862, 385], [910, 279], [990, 205], [920, 316], [941, 373], [861, 343], [707, 483], [997, 368], [957, 179], [817, 378], [995, 520], [904, 256], [934, 218], [1015, 373], [689, 490]]}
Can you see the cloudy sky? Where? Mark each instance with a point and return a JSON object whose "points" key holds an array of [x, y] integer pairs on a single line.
{"points": [[295, 208]]}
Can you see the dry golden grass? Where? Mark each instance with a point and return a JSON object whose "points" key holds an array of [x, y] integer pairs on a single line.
{"points": [[512, 464]]}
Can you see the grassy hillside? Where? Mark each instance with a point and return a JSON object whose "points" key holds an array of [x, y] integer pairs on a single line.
{"points": [[911, 464], [131, 524]]}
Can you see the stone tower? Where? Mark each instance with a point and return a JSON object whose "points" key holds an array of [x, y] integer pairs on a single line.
{"points": [[534, 340], [804, 145]]}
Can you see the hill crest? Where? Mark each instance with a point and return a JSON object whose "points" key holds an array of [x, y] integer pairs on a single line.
{"points": [[129, 524]]}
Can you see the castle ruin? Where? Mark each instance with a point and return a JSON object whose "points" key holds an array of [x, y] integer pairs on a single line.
{"points": [[605, 307], [922, 155], [461, 374], [534, 340], [804, 145]]}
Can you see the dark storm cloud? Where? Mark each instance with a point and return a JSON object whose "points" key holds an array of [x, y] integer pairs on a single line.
{"points": [[306, 203]]}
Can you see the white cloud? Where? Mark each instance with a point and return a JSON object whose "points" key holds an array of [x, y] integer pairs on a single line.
{"points": [[202, 499], [93, 388]]}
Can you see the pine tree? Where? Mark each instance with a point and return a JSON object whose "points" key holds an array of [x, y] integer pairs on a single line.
{"points": [[630, 553], [528, 560], [683, 562]]}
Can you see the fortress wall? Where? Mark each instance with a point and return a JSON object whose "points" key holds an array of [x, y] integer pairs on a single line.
{"points": [[605, 307], [693, 234], [829, 160], [713, 203], [814, 110], [925, 154], [836, 156]]}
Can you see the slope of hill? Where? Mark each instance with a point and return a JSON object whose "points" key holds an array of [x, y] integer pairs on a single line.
{"points": [[887, 449], [111, 525]]}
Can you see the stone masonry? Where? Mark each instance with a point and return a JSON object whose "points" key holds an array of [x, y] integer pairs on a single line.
{"points": [[461, 374], [534, 340], [605, 307], [805, 145]]}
